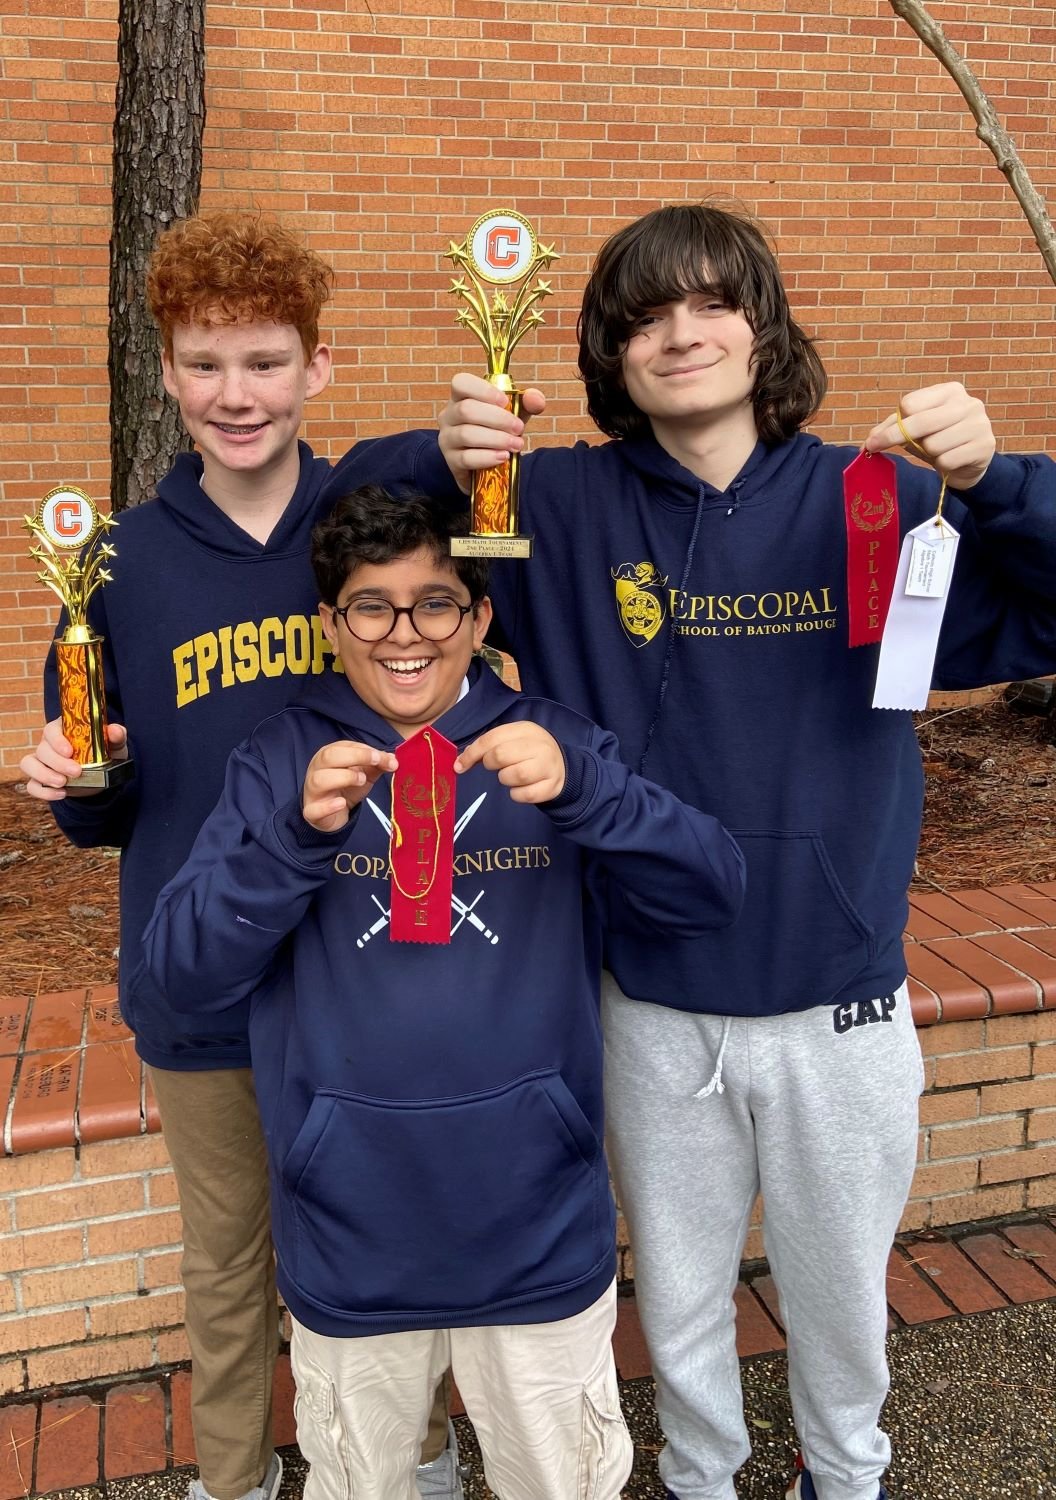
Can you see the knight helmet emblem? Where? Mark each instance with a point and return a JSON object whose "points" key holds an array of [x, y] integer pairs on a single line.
{"points": [[639, 600]]}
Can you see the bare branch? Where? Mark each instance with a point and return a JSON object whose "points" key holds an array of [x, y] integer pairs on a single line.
{"points": [[988, 127]]}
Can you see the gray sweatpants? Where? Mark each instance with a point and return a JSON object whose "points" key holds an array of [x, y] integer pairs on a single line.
{"points": [[818, 1110]]}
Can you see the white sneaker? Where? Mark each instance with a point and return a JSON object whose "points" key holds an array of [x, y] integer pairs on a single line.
{"points": [[267, 1489]]}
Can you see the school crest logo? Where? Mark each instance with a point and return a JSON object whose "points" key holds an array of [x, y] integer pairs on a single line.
{"points": [[639, 600]]}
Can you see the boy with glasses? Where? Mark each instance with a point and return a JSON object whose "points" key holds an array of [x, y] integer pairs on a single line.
{"points": [[432, 1109]]}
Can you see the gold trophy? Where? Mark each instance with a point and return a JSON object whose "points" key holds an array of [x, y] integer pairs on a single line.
{"points": [[68, 530], [500, 249]]}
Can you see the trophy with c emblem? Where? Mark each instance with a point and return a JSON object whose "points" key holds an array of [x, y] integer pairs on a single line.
{"points": [[69, 532], [501, 249]]}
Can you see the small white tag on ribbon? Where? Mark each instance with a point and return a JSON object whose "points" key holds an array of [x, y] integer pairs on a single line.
{"points": [[911, 634]]}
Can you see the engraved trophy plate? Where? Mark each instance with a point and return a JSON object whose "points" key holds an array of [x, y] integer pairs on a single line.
{"points": [[70, 533], [500, 250]]}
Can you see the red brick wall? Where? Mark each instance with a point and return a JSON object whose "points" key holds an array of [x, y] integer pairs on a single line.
{"points": [[90, 1245], [988, 1120], [385, 130]]}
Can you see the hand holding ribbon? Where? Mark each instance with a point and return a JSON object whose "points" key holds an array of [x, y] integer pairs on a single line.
{"points": [[526, 758], [944, 425], [339, 776]]}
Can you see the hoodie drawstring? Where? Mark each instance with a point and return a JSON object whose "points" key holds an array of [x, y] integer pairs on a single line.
{"points": [[671, 633], [735, 491], [715, 1085]]}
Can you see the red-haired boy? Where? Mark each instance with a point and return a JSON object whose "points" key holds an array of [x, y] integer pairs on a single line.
{"points": [[210, 626]]}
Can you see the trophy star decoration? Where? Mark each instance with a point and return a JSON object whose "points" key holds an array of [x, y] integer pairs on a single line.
{"points": [[69, 533], [501, 249]]}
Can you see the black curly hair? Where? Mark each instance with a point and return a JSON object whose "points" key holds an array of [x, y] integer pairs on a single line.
{"points": [[372, 525]]}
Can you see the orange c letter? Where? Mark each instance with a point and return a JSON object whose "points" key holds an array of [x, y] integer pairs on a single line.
{"points": [[501, 248], [66, 518]]}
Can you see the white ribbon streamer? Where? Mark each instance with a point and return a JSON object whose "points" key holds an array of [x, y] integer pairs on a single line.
{"points": [[911, 632]]}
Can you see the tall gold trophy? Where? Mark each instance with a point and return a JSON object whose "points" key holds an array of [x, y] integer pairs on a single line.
{"points": [[502, 250], [69, 531]]}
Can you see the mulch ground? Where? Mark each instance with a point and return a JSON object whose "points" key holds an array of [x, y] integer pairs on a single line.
{"points": [[989, 819], [58, 904], [990, 803]]}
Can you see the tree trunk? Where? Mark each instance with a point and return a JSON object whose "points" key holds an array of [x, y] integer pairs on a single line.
{"points": [[158, 125]]}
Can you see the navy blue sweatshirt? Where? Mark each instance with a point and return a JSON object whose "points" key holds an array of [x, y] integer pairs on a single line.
{"points": [[207, 632], [709, 632], [433, 1112]]}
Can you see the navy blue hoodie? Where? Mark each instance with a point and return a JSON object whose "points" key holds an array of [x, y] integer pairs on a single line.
{"points": [[207, 632], [736, 687], [433, 1113]]}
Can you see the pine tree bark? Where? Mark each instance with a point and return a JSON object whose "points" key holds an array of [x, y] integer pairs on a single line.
{"points": [[157, 174]]}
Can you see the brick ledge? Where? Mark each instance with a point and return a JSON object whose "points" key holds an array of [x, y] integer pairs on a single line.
{"points": [[69, 1074], [981, 953]]}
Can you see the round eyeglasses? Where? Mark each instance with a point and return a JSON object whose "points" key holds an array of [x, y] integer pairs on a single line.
{"points": [[373, 619]]}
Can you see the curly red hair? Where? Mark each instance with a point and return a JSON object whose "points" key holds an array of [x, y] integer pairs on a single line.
{"points": [[232, 266]]}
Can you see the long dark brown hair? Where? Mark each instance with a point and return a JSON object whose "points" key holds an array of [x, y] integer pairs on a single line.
{"points": [[662, 257]]}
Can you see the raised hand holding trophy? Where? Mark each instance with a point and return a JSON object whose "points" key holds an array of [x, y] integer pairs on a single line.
{"points": [[501, 249], [69, 532]]}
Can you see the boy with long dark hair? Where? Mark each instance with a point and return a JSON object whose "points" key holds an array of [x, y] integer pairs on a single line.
{"points": [[689, 591]]}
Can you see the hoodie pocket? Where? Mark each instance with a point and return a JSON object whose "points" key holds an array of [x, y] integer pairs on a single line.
{"points": [[799, 938], [445, 1205]]}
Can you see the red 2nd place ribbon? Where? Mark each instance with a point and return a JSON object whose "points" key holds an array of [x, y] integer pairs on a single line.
{"points": [[870, 502], [422, 841]]}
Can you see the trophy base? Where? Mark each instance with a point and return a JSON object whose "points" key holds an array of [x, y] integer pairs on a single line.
{"points": [[486, 544], [104, 778]]}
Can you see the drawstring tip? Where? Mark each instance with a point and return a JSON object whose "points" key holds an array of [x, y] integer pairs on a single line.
{"points": [[716, 1086]]}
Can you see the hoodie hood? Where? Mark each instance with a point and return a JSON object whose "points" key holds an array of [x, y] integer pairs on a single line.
{"points": [[334, 697], [674, 485], [203, 522]]}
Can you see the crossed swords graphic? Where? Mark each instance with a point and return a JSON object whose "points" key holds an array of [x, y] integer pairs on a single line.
{"points": [[462, 911]]}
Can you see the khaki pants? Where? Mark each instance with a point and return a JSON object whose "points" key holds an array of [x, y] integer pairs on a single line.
{"points": [[542, 1397], [214, 1138]]}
